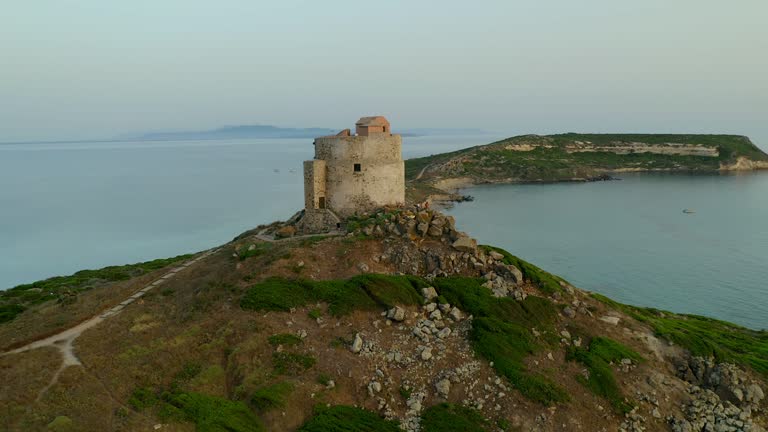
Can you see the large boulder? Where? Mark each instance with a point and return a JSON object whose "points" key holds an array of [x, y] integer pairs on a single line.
{"points": [[435, 231], [465, 243]]}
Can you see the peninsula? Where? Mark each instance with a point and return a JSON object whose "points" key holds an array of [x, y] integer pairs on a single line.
{"points": [[583, 157]]}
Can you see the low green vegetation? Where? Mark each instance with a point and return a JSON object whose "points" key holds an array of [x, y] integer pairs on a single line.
{"points": [[65, 289], [211, 413], [253, 250], [501, 330], [315, 313], [285, 363], [548, 160], [368, 291], [501, 333], [271, 396], [324, 379], [547, 282], [405, 393], [341, 418], [208, 413], [598, 358], [285, 339], [447, 417], [143, 397], [704, 336]]}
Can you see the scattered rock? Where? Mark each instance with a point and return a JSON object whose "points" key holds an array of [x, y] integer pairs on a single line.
{"points": [[610, 319], [569, 312], [465, 243], [396, 313], [455, 314], [357, 344], [443, 387], [429, 293], [426, 353]]}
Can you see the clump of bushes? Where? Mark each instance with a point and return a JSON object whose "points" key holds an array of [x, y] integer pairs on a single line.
{"points": [[271, 396], [291, 363], [342, 418], [65, 289], [501, 333], [704, 336], [598, 357], [285, 339], [361, 292], [447, 417]]}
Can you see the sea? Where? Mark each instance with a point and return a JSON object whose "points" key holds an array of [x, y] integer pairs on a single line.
{"points": [[71, 206]]}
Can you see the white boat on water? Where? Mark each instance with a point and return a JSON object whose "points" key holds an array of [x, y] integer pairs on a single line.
{"points": [[689, 211]]}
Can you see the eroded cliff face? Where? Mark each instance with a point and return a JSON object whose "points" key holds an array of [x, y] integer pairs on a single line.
{"points": [[744, 164], [621, 147]]}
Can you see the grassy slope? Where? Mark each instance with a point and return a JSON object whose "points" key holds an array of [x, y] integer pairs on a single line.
{"points": [[704, 336], [501, 333], [494, 162], [65, 288]]}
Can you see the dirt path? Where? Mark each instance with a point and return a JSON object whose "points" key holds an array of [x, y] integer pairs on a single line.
{"points": [[272, 239], [421, 173], [64, 341]]}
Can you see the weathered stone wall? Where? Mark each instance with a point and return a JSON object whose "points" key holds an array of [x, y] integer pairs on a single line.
{"points": [[380, 180], [314, 183]]}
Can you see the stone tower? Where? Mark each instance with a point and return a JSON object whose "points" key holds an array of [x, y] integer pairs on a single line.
{"points": [[353, 174]]}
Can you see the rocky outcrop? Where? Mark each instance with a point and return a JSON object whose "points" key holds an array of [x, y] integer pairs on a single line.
{"points": [[722, 398]]}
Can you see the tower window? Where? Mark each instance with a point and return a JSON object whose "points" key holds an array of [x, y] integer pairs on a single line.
{"points": [[358, 168]]}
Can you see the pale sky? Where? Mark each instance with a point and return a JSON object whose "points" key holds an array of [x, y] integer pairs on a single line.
{"points": [[77, 69]]}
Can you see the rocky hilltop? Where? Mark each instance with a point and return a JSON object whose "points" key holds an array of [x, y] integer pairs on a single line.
{"points": [[397, 322], [584, 157]]}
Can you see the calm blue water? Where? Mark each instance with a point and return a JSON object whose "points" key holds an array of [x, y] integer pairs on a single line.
{"points": [[630, 240], [66, 207]]}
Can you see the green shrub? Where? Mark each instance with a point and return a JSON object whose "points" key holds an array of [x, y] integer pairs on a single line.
{"points": [[291, 363], [704, 336], [361, 292], [405, 393], [271, 396], [212, 414], [315, 313], [66, 288], [141, 398], [324, 379], [276, 294], [447, 417], [597, 358], [189, 371], [501, 333], [285, 339], [258, 249], [10, 311], [342, 418]]}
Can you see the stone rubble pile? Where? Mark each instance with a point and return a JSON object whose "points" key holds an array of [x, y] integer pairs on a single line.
{"points": [[723, 398]]}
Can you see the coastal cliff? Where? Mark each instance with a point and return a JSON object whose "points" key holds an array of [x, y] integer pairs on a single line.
{"points": [[398, 322], [584, 157]]}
